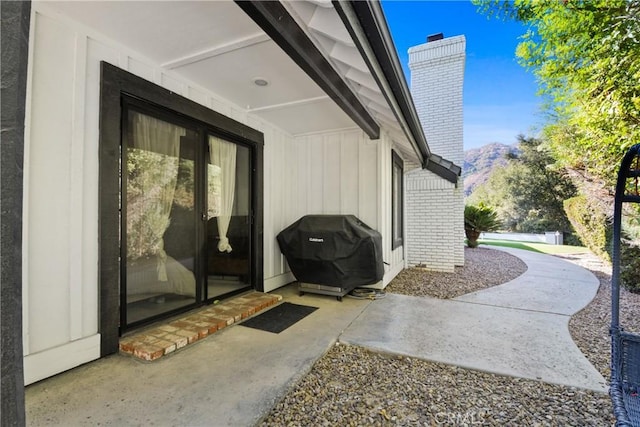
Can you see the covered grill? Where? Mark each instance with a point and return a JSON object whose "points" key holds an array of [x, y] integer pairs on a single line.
{"points": [[332, 254]]}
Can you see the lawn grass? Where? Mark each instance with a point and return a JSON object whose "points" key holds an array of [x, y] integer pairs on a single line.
{"points": [[536, 247]]}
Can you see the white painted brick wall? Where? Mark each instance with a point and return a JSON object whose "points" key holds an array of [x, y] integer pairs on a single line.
{"points": [[435, 207]]}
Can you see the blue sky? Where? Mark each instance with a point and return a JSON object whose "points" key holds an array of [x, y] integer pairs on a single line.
{"points": [[499, 95]]}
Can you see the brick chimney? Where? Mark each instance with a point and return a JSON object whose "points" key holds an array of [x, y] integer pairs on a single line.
{"points": [[437, 73], [435, 207]]}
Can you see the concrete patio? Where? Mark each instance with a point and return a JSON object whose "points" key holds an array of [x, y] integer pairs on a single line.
{"points": [[234, 377]]}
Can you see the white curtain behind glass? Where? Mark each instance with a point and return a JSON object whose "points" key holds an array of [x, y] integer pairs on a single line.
{"points": [[223, 155], [152, 172]]}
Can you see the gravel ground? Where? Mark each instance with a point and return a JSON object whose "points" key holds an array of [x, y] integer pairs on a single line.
{"points": [[590, 327], [351, 386], [483, 268]]}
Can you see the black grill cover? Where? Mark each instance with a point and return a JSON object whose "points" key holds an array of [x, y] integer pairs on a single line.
{"points": [[334, 250]]}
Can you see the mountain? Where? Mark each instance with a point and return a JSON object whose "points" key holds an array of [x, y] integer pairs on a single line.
{"points": [[479, 162]]}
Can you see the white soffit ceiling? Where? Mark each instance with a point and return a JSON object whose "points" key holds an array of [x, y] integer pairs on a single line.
{"points": [[265, 60], [306, 117], [217, 46], [163, 30]]}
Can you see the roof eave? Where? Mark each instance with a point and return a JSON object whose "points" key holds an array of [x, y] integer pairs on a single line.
{"points": [[373, 23], [275, 20]]}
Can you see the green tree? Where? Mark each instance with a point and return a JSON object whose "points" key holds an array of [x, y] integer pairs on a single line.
{"points": [[586, 55], [529, 192], [478, 219]]}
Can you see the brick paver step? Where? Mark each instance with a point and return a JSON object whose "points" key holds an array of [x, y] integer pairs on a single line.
{"points": [[155, 342]]}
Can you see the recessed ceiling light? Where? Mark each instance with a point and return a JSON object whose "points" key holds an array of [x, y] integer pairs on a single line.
{"points": [[259, 81]]}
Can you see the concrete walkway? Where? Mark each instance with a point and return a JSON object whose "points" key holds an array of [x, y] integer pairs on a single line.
{"points": [[519, 328], [234, 377]]}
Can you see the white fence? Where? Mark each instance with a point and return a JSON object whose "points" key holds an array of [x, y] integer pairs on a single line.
{"points": [[549, 237]]}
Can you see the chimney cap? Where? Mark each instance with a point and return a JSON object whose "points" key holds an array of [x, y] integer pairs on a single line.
{"points": [[435, 37]]}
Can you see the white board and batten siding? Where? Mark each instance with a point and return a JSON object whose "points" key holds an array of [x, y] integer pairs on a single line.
{"points": [[394, 258], [331, 173], [342, 172]]}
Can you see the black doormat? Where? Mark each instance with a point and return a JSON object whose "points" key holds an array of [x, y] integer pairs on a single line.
{"points": [[280, 317]]}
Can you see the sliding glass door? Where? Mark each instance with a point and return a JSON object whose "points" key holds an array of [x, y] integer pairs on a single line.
{"points": [[229, 210], [159, 221], [180, 225], [186, 218]]}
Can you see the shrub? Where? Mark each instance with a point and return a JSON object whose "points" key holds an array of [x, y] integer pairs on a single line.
{"points": [[630, 267], [596, 232], [572, 239], [478, 219], [591, 224]]}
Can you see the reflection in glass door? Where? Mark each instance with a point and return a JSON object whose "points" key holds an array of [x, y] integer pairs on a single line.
{"points": [[159, 218], [229, 218]]}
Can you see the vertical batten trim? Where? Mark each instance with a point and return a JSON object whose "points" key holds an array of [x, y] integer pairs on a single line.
{"points": [[380, 181], [381, 223], [326, 143], [344, 142], [361, 177], [308, 141], [343, 192], [26, 335], [405, 235], [358, 142], [76, 189], [268, 196], [284, 186]]}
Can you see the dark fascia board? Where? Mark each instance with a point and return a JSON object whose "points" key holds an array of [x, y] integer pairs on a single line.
{"points": [[276, 21], [345, 13], [374, 24]]}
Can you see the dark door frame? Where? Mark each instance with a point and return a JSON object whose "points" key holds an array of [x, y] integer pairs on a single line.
{"points": [[115, 83], [16, 19]]}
